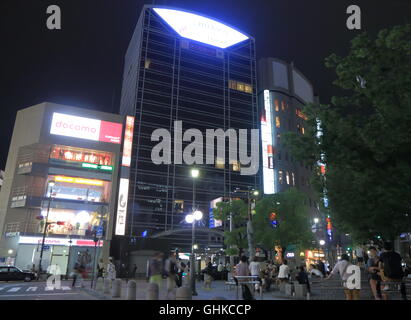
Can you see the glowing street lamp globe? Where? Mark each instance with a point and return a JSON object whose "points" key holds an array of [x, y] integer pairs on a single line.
{"points": [[316, 220], [198, 215], [189, 218], [322, 242], [195, 173]]}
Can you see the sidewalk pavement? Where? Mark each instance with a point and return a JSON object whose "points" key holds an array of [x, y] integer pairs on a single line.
{"points": [[218, 290]]}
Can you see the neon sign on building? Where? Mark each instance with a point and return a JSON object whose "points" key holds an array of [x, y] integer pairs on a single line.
{"points": [[267, 142], [195, 27]]}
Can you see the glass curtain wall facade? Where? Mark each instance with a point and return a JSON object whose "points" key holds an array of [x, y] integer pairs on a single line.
{"points": [[168, 78]]}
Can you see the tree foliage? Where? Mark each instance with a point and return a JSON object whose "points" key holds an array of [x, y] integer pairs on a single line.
{"points": [[366, 140], [292, 217]]}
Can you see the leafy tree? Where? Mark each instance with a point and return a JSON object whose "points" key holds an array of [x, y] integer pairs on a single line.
{"points": [[366, 140], [235, 240], [293, 226]]}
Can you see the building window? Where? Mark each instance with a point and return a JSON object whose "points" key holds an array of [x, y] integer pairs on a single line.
{"points": [[278, 138], [240, 86], [219, 163], [283, 105], [277, 122], [280, 176], [277, 107], [235, 166], [300, 114], [147, 63], [178, 206], [293, 178], [302, 130], [287, 177]]}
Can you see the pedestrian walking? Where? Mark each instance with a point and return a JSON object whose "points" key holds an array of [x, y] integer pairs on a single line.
{"points": [[373, 273], [100, 269], [302, 278], [255, 270], [208, 275], [171, 273], [341, 268], [155, 269], [111, 269], [390, 265]]}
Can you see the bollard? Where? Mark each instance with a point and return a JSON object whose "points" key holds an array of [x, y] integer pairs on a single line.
{"points": [[288, 289], [99, 284], [131, 290], [184, 293], [107, 286], [152, 291], [116, 292]]}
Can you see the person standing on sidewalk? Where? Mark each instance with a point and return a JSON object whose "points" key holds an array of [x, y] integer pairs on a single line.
{"points": [[155, 269], [111, 269], [391, 270], [208, 275], [341, 268], [100, 269], [284, 272], [255, 270], [373, 276], [242, 270], [171, 272]]}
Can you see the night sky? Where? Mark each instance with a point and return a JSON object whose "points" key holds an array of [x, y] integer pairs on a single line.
{"points": [[82, 64]]}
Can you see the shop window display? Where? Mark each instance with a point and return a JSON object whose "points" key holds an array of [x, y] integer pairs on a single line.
{"points": [[81, 155]]}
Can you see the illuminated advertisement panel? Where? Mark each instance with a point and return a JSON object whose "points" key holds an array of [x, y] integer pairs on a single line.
{"points": [[128, 141], [122, 207], [267, 145], [59, 241], [199, 28], [85, 128], [213, 223]]}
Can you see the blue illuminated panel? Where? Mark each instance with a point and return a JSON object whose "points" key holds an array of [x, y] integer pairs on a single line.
{"points": [[199, 28]]}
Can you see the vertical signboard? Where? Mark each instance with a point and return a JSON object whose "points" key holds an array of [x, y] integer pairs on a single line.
{"points": [[122, 207], [213, 223], [128, 141], [267, 144]]}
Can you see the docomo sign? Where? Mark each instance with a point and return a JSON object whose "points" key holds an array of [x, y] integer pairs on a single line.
{"points": [[59, 241], [85, 128]]}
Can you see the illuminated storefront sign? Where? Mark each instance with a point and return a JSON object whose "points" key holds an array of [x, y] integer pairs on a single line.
{"points": [[96, 166], [128, 141], [122, 207], [199, 28], [213, 223], [59, 241], [267, 144], [85, 128], [91, 182]]}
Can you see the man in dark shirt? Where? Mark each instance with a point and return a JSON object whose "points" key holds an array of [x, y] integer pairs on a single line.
{"points": [[390, 264]]}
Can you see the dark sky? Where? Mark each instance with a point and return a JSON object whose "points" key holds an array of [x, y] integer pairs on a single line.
{"points": [[82, 64]]}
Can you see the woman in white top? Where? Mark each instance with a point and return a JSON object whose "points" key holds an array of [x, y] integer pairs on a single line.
{"points": [[255, 270]]}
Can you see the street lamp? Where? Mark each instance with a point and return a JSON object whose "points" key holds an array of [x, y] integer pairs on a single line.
{"points": [[322, 242], [50, 184], [193, 218], [316, 220]]}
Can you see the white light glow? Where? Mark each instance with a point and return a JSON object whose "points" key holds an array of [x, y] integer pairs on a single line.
{"points": [[83, 217], [199, 28], [195, 173], [322, 242], [189, 218], [198, 215]]}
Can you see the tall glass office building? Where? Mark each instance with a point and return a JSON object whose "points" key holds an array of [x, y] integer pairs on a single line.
{"points": [[181, 66]]}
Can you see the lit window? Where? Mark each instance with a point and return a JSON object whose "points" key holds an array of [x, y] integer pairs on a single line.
{"points": [[240, 86], [248, 88], [179, 205], [287, 177], [219, 163], [302, 130], [283, 105], [277, 107], [236, 166], [293, 178], [147, 64], [280, 176], [233, 84], [277, 122]]}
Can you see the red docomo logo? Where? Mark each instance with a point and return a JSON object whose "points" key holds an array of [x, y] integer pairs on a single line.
{"points": [[75, 127]]}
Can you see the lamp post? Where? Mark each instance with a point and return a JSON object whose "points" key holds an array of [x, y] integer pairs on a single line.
{"points": [[50, 184], [193, 218]]}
